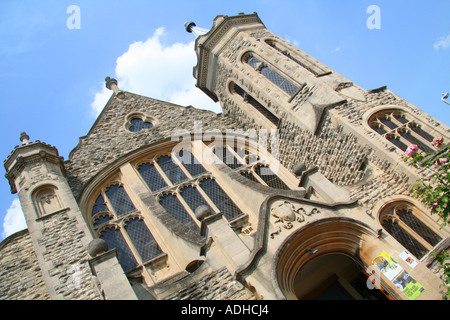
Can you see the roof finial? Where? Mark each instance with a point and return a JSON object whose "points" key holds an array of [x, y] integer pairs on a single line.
{"points": [[24, 138], [191, 27], [111, 84]]}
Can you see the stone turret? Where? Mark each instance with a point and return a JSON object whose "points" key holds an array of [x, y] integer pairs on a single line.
{"points": [[58, 232]]}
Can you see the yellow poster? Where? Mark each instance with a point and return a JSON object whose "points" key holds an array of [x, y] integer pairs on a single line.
{"points": [[395, 273], [410, 287], [388, 266]]}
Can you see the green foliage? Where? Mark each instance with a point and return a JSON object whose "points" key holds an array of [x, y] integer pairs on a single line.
{"points": [[444, 262], [434, 190]]}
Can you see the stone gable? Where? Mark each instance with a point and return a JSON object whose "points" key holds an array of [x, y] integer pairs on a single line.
{"points": [[109, 138]]}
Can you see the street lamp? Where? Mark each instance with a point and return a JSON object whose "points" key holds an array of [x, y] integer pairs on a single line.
{"points": [[444, 97]]}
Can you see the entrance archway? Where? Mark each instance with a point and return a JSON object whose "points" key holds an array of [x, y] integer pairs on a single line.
{"points": [[326, 260]]}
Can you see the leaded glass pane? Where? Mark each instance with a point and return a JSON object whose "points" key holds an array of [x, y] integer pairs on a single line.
{"points": [[192, 165], [400, 118], [227, 157], [142, 239], [192, 197], [253, 62], [171, 169], [379, 129], [405, 239], [114, 239], [396, 142], [119, 200], [271, 178], [174, 207], [138, 125], [99, 206], [152, 177], [279, 81], [418, 226], [387, 122], [258, 106], [249, 176], [417, 129], [220, 199], [411, 138]]}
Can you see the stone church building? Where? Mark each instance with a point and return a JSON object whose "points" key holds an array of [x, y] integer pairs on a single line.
{"points": [[298, 190]]}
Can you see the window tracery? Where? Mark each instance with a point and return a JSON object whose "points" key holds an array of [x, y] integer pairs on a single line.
{"points": [[180, 184], [118, 222], [402, 129], [407, 224]]}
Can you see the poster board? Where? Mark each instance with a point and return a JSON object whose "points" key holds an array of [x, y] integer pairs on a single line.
{"points": [[397, 275]]}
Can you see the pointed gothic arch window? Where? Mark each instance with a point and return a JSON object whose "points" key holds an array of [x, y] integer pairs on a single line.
{"points": [[115, 240], [409, 226], [271, 74], [254, 103], [117, 221], [142, 239], [174, 207], [120, 201], [401, 129], [304, 61]]}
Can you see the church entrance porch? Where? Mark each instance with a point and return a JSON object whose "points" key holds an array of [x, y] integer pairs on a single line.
{"points": [[327, 260], [333, 277]]}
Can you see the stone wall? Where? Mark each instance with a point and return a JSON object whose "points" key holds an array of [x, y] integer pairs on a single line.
{"points": [[218, 285], [68, 257], [20, 274]]}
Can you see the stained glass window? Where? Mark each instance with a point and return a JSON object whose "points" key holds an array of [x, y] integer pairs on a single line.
{"points": [[142, 239]]}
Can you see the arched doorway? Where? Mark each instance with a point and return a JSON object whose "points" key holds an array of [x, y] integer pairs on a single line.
{"points": [[327, 260]]}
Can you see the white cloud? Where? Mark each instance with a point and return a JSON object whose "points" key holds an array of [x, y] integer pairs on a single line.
{"points": [[337, 49], [158, 71], [100, 99], [14, 219], [443, 42]]}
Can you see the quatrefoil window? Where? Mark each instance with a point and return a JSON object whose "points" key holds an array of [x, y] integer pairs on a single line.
{"points": [[138, 122]]}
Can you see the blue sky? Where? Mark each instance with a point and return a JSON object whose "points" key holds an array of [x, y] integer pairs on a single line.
{"points": [[52, 77]]}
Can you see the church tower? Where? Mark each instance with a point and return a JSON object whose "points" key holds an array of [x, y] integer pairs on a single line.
{"points": [[324, 120]]}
